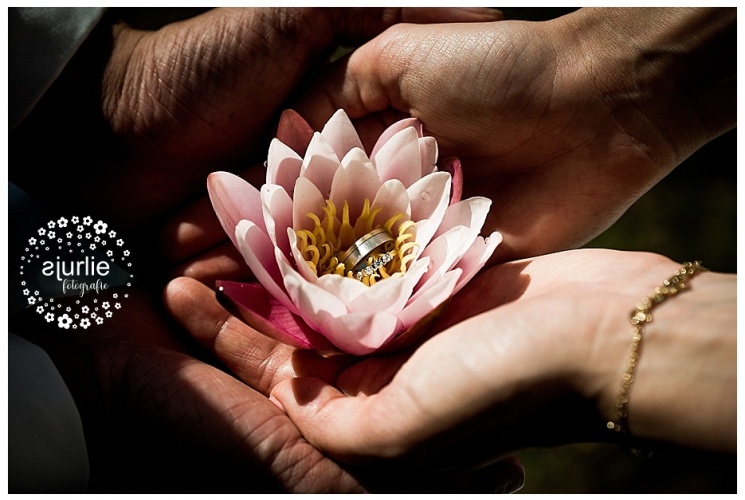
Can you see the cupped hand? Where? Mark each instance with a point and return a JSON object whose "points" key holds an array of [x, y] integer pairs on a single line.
{"points": [[532, 354], [263, 363], [564, 123], [158, 419]]}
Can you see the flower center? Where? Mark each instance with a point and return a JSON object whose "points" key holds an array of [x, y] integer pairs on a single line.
{"points": [[366, 250]]}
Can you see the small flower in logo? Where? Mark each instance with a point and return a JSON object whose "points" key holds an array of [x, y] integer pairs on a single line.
{"points": [[118, 305], [126, 253], [51, 234], [85, 323], [87, 221], [69, 235], [93, 246], [26, 291], [112, 234], [50, 224], [119, 242], [97, 239], [109, 314], [32, 241], [88, 236], [42, 231], [64, 321], [100, 227], [109, 253], [99, 321], [31, 300], [80, 228], [75, 219], [62, 222], [85, 309], [49, 317], [105, 305], [40, 309]]}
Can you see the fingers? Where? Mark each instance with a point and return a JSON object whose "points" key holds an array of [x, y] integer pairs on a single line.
{"points": [[362, 84], [259, 361], [223, 262]]}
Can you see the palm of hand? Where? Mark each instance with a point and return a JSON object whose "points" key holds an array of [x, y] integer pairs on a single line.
{"points": [[502, 343], [137, 390]]}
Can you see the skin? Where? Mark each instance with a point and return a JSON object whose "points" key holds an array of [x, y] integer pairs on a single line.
{"points": [[506, 361], [563, 123]]}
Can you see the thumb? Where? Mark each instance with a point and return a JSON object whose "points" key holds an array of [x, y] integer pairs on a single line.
{"points": [[331, 421], [367, 81]]}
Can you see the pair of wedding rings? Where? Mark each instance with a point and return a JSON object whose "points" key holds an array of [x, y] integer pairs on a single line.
{"points": [[355, 259]]}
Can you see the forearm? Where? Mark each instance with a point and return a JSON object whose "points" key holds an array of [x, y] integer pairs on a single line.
{"points": [[667, 75]]}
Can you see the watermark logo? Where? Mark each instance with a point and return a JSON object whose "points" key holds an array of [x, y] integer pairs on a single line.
{"points": [[76, 272]]}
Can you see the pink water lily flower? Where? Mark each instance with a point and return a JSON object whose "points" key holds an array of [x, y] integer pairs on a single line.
{"points": [[351, 250]]}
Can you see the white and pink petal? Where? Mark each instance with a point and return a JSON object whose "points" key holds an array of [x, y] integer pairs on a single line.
{"points": [[399, 158], [260, 310], [308, 199], [341, 134], [422, 304], [476, 257], [361, 333], [283, 166], [233, 200], [355, 181], [277, 206], [392, 130], [259, 253]]}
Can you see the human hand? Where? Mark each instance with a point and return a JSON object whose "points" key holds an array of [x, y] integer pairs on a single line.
{"points": [[189, 425], [172, 104], [531, 353], [263, 362], [564, 124]]}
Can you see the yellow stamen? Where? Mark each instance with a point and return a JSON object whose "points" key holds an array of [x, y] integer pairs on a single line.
{"points": [[331, 237]]}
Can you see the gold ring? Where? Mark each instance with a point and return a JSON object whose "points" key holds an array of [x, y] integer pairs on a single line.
{"points": [[356, 256]]}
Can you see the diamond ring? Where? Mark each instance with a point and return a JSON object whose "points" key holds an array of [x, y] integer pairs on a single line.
{"points": [[355, 259]]}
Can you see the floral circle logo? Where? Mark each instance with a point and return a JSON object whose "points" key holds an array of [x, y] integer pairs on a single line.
{"points": [[75, 272]]}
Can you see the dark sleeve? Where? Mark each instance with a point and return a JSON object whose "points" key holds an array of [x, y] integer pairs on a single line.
{"points": [[41, 41]]}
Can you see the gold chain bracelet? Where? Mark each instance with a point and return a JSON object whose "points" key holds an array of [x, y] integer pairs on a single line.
{"points": [[639, 317]]}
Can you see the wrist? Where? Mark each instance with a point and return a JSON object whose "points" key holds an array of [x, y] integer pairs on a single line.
{"points": [[684, 381], [671, 92]]}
